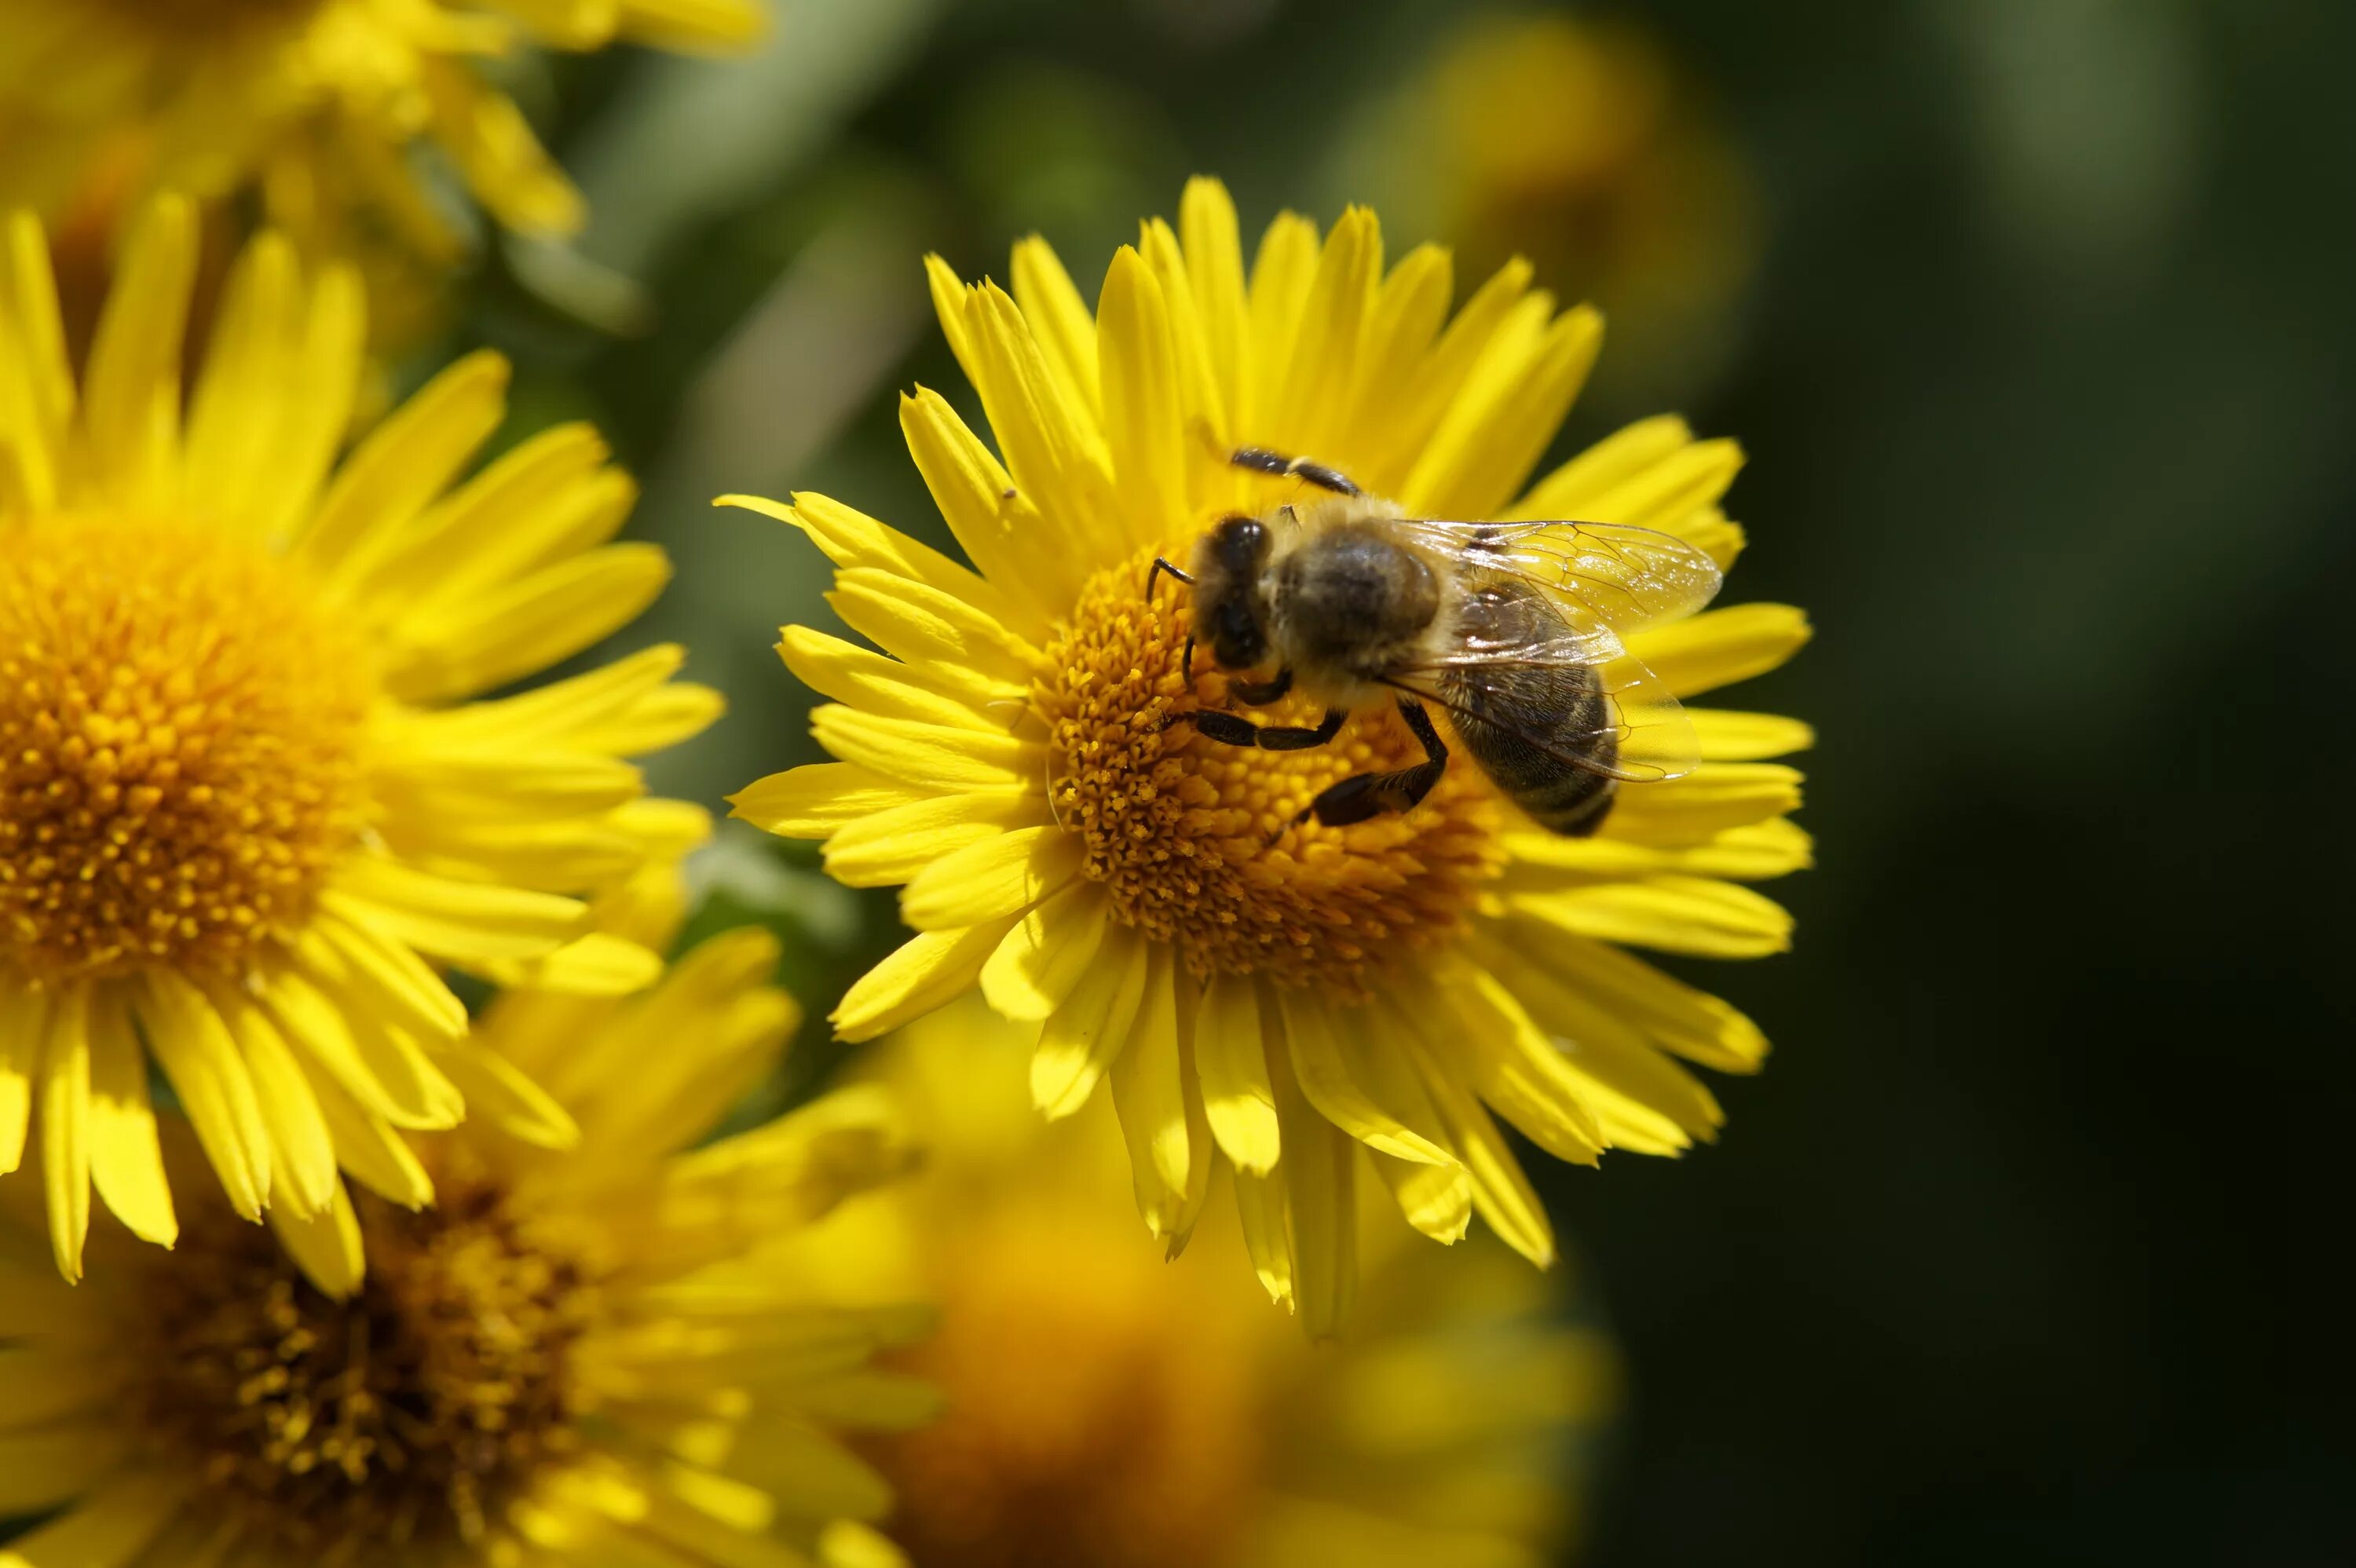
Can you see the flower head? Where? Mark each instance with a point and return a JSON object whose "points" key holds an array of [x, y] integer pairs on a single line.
{"points": [[1106, 1410], [590, 1355], [1278, 994], [247, 806], [314, 103]]}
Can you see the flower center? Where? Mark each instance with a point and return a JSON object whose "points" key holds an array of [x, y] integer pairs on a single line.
{"points": [[1195, 841], [1095, 1417], [180, 729], [347, 1432]]}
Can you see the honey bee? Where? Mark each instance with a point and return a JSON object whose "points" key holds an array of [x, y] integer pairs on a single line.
{"points": [[1514, 629]]}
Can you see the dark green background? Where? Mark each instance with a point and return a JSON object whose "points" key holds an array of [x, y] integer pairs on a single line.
{"points": [[2019, 1250]]}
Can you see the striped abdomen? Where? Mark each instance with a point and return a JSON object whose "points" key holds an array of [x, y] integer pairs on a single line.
{"points": [[1520, 720]]}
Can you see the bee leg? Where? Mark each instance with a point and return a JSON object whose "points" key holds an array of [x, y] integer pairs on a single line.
{"points": [[1261, 693], [1234, 729], [1153, 574], [1362, 796], [1261, 460]]}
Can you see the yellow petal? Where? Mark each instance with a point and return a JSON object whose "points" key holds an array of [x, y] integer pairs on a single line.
{"points": [[1697, 915], [496, 1092], [1502, 1194], [932, 757], [1748, 853], [1513, 1063], [936, 691], [1509, 408], [1260, 1207], [407, 461], [1080, 1039], [202, 1061], [892, 845], [1706, 803], [1067, 334], [1676, 1017], [1726, 736], [24, 1026], [303, 1153], [815, 800], [440, 652], [1320, 374], [1041, 961], [1237, 1093], [36, 387], [65, 1128], [126, 1162], [1002, 530], [132, 413], [921, 624], [1282, 270], [998, 877], [466, 921], [914, 978], [1151, 1102], [1142, 420], [1718, 648], [324, 1243], [1051, 446], [1322, 1065], [1207, 230], [1320, 1176], [379, 1065]]}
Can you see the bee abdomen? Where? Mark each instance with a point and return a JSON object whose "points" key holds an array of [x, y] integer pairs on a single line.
{"points": [[1522, 721]]}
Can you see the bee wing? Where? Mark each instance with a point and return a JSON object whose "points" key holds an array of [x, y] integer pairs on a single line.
{"points": [[1644, 736], [1614, 576]]}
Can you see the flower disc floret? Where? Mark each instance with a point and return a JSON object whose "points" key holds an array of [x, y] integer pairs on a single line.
{"points": [[1197, 844], [180, 756]]}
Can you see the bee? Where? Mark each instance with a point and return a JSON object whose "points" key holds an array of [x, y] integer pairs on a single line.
{"points": [[1512, 629]]}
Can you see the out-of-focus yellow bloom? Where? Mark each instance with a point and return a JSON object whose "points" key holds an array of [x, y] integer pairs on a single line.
{"points": [[1275, 995], [248, 801], [1105, 1408], [318, 104], [1581, 147], [598, 1355]]}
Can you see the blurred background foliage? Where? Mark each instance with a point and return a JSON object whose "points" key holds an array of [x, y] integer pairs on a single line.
{"points": [[2035, 317]]}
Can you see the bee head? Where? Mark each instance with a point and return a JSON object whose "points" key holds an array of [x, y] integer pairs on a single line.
{"points": [[1229, 613]]}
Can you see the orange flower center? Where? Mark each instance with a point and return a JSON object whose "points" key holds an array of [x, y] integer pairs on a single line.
{"points": [[181, 746], [1195, 842], [352, 1431]]}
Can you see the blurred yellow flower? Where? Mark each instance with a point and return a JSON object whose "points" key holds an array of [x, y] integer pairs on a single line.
{"points": [[1280, 996], [1108, 1410], [594, 1356], [245, 800], [1584, 148], [318, 104]]}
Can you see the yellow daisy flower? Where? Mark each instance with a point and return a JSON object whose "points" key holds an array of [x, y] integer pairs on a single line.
{"points": [[317, 102], [1278, 995], [246, 803], [1583, 147], [1107, 1410], [594, 1357]]}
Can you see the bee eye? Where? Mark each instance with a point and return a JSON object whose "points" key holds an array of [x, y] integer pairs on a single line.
{"points": [[1239, 542]]}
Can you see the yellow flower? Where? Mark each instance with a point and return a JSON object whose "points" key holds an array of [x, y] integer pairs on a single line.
{"points": [[245, 803], [1583, 147], [597, 1355], [318, 103], [1107, 1410], [1279, 996]]}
